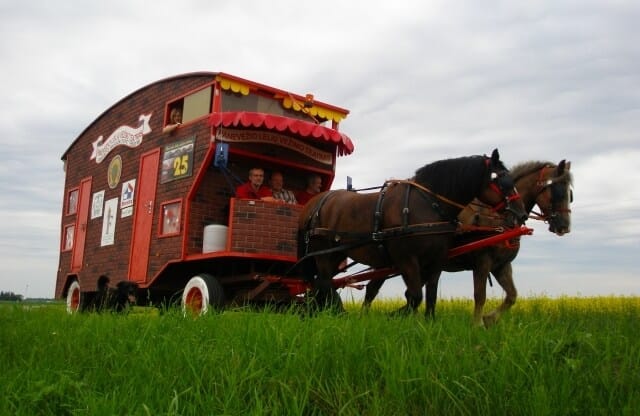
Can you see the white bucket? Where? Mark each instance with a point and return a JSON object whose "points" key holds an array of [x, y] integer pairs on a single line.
{"points": [[215, 238]]}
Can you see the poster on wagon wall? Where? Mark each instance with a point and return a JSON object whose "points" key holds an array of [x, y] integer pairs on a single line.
{"points": [[109, 222], [177, 161], [126, 198], [97, 203]]}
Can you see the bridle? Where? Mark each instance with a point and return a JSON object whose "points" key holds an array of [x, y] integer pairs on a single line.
{"points": [[550, 210], [501, 183]]}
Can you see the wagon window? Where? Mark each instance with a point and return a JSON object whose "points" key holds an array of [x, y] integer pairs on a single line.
{"points": [[196, 105], [170, 221], [67, 237], [232, 101], [253, 102], [190, 107], [72, 201]]}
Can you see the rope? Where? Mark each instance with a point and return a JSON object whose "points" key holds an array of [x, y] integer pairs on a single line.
{"points": [[427, 190]]}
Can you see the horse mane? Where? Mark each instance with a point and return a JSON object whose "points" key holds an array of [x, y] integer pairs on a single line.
{"points": [[453, 177], [525, 168]]}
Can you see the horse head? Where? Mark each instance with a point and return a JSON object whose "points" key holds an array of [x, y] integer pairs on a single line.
{"points": [[555, 196], [500, 192]]}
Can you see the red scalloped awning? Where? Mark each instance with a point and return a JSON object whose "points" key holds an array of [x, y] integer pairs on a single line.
{"points": [[279, 123]]}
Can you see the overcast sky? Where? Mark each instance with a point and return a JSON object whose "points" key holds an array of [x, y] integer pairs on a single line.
{"points": [[424, 80]]}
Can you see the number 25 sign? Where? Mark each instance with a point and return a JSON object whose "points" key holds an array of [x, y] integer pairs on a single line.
{"points": [[177, 160]]}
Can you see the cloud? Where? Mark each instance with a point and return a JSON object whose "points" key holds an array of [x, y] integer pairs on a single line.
{"points": [[423, 80]]}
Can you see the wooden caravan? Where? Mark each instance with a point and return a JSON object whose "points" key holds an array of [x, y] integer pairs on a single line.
{"points": [[149, 192]]}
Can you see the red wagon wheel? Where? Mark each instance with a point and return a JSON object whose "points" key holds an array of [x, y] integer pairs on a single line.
{"points": [[74, 297], [200, 292]]}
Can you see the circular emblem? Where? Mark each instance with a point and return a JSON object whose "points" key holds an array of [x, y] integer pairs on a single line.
{"points": [[114, 171]]}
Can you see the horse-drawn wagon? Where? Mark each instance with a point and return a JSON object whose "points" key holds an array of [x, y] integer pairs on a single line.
{"points": [[149, 207]]}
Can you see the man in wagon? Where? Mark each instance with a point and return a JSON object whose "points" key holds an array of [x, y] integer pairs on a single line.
{"points": [[254, 189], [277, 188], [314, 186]]}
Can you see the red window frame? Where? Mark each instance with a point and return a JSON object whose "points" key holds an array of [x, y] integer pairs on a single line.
{"points": [[67, 239], [170, 221], [71, 205]]}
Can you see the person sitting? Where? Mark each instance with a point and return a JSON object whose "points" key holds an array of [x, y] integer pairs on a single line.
{"points": [[314, 185], [254, 189], [175, 119], [278, 191]]}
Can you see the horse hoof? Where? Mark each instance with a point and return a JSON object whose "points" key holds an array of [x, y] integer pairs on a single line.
{"points": [[479, 323], [489, 320], [404, 311]]}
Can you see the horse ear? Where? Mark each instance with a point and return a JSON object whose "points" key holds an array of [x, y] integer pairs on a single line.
{"points": [[495, 157], [561, 167]]}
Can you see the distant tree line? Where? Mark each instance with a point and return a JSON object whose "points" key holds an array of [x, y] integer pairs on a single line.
{"points": [[10, 296]]}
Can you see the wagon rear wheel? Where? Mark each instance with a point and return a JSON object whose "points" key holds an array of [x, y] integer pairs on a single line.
{"points": [[74, 297], [201, 292]]}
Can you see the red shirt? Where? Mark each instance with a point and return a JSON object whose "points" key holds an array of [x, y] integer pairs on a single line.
{"points": [[246, 191], [303, 197]]}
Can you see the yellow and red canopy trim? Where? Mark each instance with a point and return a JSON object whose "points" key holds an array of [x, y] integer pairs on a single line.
{"points": [[289, 101], [283, 124], [233, 85], [292, 104]]}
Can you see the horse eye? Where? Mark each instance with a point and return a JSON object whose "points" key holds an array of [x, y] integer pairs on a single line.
{"points": [[506, 183]]}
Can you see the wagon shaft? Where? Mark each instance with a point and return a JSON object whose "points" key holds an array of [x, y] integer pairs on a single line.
{"points": [[490, 241]]}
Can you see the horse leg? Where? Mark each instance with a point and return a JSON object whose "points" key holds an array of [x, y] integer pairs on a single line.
{"points": [[326, 296], [504, 276], [480, 276], [411, 275], [371, 291], [431, 294]]}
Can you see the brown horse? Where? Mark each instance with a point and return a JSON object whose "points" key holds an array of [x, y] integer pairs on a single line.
{"points": [[542, 183], [409, 225]]}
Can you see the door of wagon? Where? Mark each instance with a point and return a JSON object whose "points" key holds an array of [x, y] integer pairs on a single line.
{"points": [[143, 216], [77, 255]]}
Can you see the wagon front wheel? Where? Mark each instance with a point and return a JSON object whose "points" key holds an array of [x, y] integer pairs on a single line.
{"points": [[74, 297], [201, 292]]}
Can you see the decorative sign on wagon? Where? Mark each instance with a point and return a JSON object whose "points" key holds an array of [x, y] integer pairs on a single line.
{"points": [[123, 135], [97, 203], [126, 198], [109, 222], [114, 171], [177, 160], [244, 136]]}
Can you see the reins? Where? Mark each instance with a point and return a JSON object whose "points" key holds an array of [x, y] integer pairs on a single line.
{"points": [[380, 235], [377, 234], [425, 189]]}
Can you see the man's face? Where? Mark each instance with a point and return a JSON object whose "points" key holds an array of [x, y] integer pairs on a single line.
{"points": [[256, 177], [316, 184], [277, 182]]}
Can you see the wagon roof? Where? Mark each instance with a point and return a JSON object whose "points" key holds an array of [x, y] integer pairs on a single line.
{"points": [[231, 82], [279, 123]]}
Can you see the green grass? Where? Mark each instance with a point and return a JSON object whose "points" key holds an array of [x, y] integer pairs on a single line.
{"points": [[546, 357]]}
